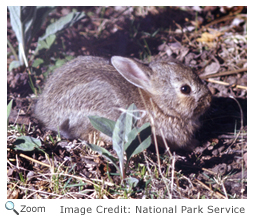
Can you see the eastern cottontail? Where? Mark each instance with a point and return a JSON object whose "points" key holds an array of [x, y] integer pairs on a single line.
{"points": [[87, 85]]}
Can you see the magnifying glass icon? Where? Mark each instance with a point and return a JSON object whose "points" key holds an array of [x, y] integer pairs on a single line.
{"points": [[10, 206]]}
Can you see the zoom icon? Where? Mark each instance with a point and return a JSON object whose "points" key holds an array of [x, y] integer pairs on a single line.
{"points": [[10, 206]]}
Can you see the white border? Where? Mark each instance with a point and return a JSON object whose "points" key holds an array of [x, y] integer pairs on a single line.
{"points": [[53, 207]]}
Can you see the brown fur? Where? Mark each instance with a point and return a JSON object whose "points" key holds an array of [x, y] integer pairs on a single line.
{"points": [[95, 86]]}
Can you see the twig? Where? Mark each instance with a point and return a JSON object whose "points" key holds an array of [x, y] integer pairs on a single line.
{"points": [[183, 32], [226, 84], [38, 191], [216, 21], [209, 171], [165, 143], [12, 49], [172, 174], [155, 142], [152, 127], [216, 194], [33, 160], [205, 76], [224, 189]]}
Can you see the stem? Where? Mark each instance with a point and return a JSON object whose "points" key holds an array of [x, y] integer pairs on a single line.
{"points": [[12, 49]]}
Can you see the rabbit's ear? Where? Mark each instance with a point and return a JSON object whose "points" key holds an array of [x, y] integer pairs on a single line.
{"points": [[134, 72]]}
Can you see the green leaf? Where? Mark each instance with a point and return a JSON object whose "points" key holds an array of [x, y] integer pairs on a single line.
{"points": [[123, 127], [102, 151], [37, 62], [27, 143], [47, 43], [26, 21], [104, 125], [118, 138], [41, 14], [9, 106], [16, 23], [132, 181], [50, 40], [14, 64], [131, 137], [143, 146], [60, 62], [142, 134], [132, 116], [59, 25], [126, 137], [42, 45], [63, 23]]}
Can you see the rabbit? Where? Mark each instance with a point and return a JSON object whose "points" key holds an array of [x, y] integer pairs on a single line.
{"points": [[171, 92]]}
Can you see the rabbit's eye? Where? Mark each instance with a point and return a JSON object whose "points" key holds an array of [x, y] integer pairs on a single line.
{"points": [[185, 89]]}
